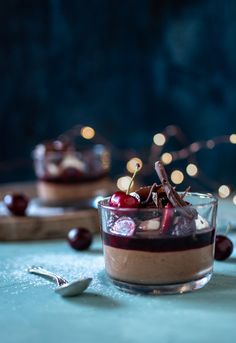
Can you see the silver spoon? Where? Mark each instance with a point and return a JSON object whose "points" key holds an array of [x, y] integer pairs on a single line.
{"points": [[64, 288]]}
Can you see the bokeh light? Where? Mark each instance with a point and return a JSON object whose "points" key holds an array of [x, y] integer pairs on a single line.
{"points": [[232, 138], [87, 132], [123, 183], [192, 169], [194, 147], [132, 163], [224, 191], [159, 139], [166, 158], [177, 177], [210, 144]]}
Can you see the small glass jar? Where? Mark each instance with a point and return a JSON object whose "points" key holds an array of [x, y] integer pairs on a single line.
{"points": [[72, 166], [66, 174], [143, 256]]}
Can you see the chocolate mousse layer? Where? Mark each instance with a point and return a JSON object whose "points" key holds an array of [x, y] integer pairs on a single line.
{"points": [[51, 193], [159, 260]]}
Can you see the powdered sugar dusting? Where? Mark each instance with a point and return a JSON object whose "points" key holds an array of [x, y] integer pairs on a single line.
{"points": [[69, 266], [59, 258]]}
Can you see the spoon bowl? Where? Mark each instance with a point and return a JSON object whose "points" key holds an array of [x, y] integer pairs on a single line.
{"points": [[73, 288], [64, 287]]}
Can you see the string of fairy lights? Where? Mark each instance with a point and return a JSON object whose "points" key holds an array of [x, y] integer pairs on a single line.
{"points": [[156, 152]]}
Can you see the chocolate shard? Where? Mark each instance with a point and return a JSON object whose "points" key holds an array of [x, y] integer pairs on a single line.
{"points": [[175, 199], [145, 193], [152, 196], [159, 198], [185, 192]]}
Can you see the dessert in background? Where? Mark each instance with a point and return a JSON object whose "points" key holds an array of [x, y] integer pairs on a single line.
{"points": [[67, 173]]}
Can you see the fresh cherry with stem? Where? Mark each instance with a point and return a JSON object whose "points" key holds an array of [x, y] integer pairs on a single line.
{"points": [[125, 200]]}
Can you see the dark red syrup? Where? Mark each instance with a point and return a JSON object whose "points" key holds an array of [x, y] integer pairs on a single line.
{"points": [[71, 177], [160, 243]]}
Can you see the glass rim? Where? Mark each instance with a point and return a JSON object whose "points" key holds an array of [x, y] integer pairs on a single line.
{"points": [[83, 151], [212, 200]]}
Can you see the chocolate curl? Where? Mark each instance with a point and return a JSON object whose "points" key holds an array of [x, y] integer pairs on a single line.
{"points": [[171, 193], [154, 193], [185, 192], [150, 189]]}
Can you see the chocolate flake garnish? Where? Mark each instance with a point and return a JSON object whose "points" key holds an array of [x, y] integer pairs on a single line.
{"points": [[144, 192], [185, 192], [152, 195], [151, 189], [174, 198]]}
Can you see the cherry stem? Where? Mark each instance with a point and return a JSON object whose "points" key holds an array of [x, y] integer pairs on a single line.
{"points": [[137, 168]]}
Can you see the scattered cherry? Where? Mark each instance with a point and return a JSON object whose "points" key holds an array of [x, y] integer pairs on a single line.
{"points": [[16, 203], [79, 238], [223, 247]]}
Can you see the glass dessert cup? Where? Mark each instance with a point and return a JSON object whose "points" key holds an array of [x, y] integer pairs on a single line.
{"points": [[69, 174], [72, 166], [142, 257]]}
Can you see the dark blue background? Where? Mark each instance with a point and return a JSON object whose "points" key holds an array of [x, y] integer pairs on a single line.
{"points": [[127, 68]]}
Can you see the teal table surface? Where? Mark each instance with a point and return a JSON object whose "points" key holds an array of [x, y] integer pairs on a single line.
{"points": [[32, 312]]}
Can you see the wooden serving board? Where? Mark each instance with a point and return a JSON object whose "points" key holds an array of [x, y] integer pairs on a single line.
{"points": [[46, 227], [43, 222]]}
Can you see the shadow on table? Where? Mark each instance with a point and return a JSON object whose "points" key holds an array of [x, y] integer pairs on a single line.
{"points": [[95, 300], [96, 251], [220, 283], [219, 294], [232, 260]]}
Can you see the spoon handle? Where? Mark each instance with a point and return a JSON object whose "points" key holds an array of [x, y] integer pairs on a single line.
{"points": [[47, 275]]}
